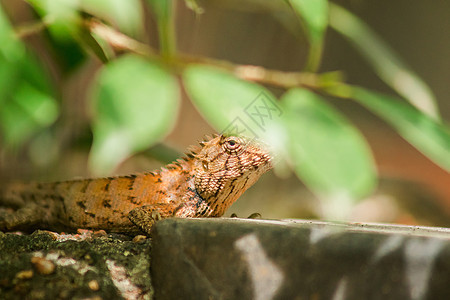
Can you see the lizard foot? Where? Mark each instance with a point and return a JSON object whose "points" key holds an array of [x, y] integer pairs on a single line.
{"points": [[21, 218], [145, 216]]}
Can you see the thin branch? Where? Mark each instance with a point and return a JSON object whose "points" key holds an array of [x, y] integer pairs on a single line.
{"points": [[275, 77], [119, 41]]}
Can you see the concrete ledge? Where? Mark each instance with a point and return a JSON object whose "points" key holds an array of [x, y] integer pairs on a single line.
{"points": [[230, 259], [255, 259]]}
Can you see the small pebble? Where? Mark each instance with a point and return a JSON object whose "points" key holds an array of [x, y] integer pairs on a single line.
{"points": [[88, 258], [43, 266], [139, 238], [52, 234], [93, 285], [27, 274]]}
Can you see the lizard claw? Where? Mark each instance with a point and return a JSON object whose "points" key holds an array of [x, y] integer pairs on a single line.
{"points": [[252, 216], [155, 215]]}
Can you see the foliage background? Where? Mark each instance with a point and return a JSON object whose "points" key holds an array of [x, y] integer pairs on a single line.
{"points": [[412, 189]]}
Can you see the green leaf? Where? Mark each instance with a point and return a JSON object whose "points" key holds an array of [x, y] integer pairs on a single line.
{"points": [[126, 14], [26, 96], [28, 111], [230, 104], [85, 37], [41, 107], [57, 10], [329, 153], [12, 48], [62, 19], [136, 105], [314, 14], [386, 63], [429, 136], [62, 16]]}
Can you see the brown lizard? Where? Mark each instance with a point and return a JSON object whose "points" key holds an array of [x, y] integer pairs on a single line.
{"points": [[204, 183]]}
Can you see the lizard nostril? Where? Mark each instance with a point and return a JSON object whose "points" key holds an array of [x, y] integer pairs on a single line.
{"points": [[205, 165]]}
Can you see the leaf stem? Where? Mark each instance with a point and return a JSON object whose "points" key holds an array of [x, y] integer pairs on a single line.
{"points": [[314, 56]]}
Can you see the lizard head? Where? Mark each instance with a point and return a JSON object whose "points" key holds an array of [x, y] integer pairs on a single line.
{"points": [[225, 166]]}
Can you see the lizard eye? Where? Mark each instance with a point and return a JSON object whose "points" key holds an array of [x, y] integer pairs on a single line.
{"points": [[231, 144]]}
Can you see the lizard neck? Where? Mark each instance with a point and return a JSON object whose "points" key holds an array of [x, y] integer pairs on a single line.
{"points": [[229, 192]]}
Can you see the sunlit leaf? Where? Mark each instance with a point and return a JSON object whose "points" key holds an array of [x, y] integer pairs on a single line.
{"points": [[329, 153], [388, 66], [136, 105], [126, 14], [230, 104], [429, 136]]}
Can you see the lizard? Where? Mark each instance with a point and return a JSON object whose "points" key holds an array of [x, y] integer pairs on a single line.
{"points": [[203, 183]]}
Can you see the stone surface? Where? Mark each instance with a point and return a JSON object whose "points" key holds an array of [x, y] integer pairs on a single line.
{"points": [[230, 259], [255, 259], [90, 265]]}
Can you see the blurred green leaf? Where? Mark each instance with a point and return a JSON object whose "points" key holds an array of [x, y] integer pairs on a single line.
{"points": [[226, 101], [429, 136], [62, 20], [26, 96], [62, 16], [125, 14], [27, 112], [91, 43], [329, 153], [389, 67], [11, 48], [56, 10], [136, 105], [38, 105], [314, 14]]}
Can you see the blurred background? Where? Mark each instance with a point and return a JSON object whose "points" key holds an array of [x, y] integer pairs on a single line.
{"points": [[412, 189]]}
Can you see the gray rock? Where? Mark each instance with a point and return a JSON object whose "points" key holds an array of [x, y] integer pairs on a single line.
{"points": [[253, 259]]}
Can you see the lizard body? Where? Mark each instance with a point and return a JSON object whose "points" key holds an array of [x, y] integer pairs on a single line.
{"points": [[202, 184]]}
